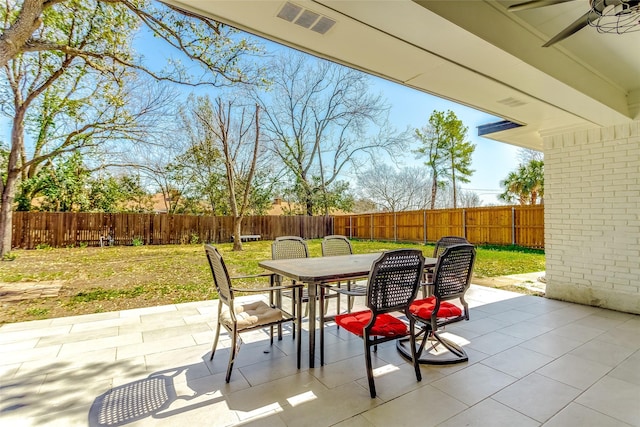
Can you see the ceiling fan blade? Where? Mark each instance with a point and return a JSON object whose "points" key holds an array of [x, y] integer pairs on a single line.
{"points": [[576, 26], [533, 4]]}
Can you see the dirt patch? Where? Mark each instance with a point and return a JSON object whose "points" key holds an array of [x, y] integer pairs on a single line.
{"points": [[530, 283], [12, 292]]}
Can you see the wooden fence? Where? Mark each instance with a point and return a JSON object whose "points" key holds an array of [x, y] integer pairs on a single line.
{"points": [[62, 229], [497, 225]]}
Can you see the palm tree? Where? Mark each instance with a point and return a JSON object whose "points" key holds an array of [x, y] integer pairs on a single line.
{"points": [[526, 184], [534, 172]]}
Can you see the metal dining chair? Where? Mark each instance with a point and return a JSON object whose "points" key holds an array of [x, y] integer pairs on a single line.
{"points": [[392, 286], [237, 318], [442, 244], [451, 280]]}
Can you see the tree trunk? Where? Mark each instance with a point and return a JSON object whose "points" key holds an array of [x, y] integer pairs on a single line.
{"points": [[434, 191], [12, 41], [6, 214], [237, 233], [9, 190], [455, 190]]}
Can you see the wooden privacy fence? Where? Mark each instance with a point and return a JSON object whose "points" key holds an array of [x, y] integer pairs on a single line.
{"points": [[496, 225], [62, 229]]}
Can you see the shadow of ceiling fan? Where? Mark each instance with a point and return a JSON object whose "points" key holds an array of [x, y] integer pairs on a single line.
{"points": [[608, 16]]}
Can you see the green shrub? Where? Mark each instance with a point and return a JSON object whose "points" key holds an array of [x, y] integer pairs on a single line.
{"points": [[137, 241]]}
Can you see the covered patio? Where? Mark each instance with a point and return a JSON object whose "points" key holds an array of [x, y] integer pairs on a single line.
{"points": [[576, 99], [532, 361]]}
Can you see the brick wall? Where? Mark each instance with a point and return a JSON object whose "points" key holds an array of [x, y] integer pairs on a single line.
{"points": [[592, 217]]}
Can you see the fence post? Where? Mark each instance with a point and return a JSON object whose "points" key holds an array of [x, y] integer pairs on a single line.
{"points": [[395, 226], [350, 228], [424, 225], [513, 225], [464, 223], [371, 228]]}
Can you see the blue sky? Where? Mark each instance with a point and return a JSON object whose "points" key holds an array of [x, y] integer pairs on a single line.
{"points": [[492, 161]]}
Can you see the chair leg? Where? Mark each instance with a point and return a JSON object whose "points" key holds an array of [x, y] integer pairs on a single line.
{"points": [[367, 357], [451, 346], [322, 301], [298, 327], [232, 355], [414, 357], [215, 341], [294, 311], [350, 298], [456, 353]]}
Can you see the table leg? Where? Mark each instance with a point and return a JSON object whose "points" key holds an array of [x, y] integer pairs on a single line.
{"points": [[312, 289]]}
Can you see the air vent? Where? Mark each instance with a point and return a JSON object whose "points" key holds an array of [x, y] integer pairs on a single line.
{"points": [[323, 25], [512, 102], [305, 18], [289, 11]]}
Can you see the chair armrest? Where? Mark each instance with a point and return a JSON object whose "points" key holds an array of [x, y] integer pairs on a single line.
{"points": [[268, 289], [251, 276], [355, 293]]}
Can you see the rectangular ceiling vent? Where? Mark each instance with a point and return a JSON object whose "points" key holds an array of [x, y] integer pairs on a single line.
{"points": [[512, 102], [305, 18]]}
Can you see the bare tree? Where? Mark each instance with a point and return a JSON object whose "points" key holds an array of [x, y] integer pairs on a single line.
{"points": [[395, 190], [320, 117], [225, 138], [468, 199], [525, 155]]}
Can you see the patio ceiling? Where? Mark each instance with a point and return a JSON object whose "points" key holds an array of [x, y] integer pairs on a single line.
{"points": [[472, 52]]}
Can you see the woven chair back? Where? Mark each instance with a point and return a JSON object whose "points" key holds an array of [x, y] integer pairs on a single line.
{"points": [[335, 245], [394, 280], [452, 276], [289, 247], [220, 274], [446, 241]]}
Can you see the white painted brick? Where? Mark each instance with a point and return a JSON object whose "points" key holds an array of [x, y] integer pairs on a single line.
{"points": [[592, 211], [626, 289], [622, 132]]}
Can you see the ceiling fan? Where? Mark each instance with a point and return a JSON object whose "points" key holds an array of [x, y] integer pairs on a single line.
{"points": [[608, 16]]}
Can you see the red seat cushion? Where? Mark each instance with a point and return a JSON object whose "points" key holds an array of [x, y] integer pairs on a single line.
{"points": [[424, 307], [386, 325]]}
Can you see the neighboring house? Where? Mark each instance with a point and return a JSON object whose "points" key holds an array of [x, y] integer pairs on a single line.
{"points": [[281, 207]]}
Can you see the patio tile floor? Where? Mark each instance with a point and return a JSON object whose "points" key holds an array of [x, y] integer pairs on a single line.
{"points": [[532, 362]]}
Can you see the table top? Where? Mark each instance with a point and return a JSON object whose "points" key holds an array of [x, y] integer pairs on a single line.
{"points": [[326, 269]]}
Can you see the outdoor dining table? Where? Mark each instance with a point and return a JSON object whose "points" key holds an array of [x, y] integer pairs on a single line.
{"points": [[318, 270]]}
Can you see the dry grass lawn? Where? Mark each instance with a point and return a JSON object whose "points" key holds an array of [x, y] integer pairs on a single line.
{"points": [[96, 280]]}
